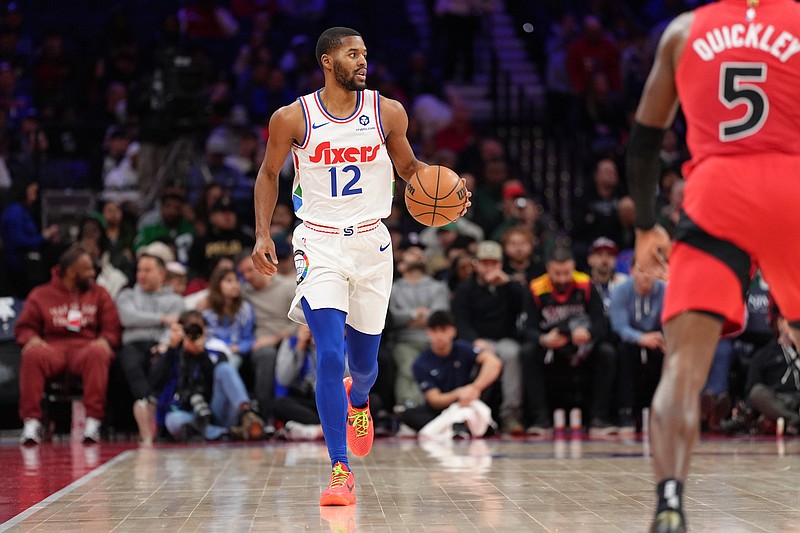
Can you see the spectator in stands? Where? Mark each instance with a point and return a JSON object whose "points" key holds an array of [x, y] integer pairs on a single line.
{"points": [[146, 311], [119, 234], [271, 299], [670, 214], [635, 307], [224, 237], [487, 202], [229, 316], [197, 391], [177, 277], [451, 372], [213, 169], [69, 324], [23, 241], [172, 227], [602, 116], [522, 261], [565, 333], [486, 310], [414, 298], [459, 23], [596, 212], [773, 379], [206, 19], [296, 377], [195, 296], [92, 238], [592, 52], [602, 264]]}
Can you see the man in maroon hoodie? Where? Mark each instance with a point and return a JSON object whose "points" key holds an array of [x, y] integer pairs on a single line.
{"points": [[69, 324]]}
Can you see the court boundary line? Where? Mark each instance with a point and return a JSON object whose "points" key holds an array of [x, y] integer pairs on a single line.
{"points": [[16, 520]]}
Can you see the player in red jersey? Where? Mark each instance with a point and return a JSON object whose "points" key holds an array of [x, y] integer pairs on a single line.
{"points": [[735, 68]]}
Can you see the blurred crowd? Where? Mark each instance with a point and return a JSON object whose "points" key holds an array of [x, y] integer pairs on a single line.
{"points": [[129, 146]]}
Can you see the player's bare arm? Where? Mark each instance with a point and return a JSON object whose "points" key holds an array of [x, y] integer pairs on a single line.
{"points": [[395, 124], [284, 128], [655, 113]]}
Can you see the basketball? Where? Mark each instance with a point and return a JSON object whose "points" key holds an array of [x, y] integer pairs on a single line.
{"points": [[435, 196]]}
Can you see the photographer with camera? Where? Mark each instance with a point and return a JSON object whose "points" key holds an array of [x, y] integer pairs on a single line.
{"points": [[197, 391], [566, 336]]}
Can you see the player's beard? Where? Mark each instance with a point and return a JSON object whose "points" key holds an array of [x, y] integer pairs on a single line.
{"points": [[347, 79]]}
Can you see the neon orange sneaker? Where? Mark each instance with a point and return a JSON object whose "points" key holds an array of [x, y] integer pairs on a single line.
{"points": [[360, 430], [342, 488]]}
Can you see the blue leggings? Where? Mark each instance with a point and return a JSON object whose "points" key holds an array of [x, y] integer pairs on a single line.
{"points": [[328, 329]]}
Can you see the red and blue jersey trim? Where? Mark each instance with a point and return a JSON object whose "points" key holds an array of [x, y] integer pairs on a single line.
{"points": [[359, 107], [377, 108], [307, 121]]}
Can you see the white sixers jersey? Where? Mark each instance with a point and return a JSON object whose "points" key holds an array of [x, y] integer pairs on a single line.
{"points": [[343, 174]]}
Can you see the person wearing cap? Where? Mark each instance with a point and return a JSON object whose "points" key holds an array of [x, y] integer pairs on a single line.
{"points": [[213, 169], [223, 238], [486, 310], [565, 334], [602, 264]]}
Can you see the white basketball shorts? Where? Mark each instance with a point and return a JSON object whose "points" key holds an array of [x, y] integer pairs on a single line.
{"points": [[349, 269]]}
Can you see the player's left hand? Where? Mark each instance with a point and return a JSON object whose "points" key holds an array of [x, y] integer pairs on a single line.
{"points": [[467, 202]]}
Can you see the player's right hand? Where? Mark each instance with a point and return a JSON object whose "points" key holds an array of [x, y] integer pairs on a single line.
{"points": [[264, 257], [652, 251], [467, 202]]}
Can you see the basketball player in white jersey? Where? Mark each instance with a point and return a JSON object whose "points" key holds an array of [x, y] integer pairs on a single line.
{"points": [[344, 141]]}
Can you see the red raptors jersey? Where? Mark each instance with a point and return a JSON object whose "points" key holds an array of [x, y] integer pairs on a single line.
{"points": [[738, 80]]}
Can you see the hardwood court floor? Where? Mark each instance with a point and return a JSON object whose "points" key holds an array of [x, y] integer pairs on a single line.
{"points": [[738, 484]]}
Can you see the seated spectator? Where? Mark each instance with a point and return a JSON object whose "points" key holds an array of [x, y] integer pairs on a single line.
{"points": [[23, 242], [773, 379], [146, 312], [69, 324], [602, 262], [92, 239], [715, 400], [413, 299], [522, 261], [486, 310], [119, 234], [566, 334], [172, 227], [296, 377], [197, 391], [224, 237], [635, 310], [452, 372], [213, 166], [177, 277], [271, 299], [229, 316]]}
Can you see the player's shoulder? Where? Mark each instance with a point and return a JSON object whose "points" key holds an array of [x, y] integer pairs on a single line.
{"points": [[391, 107], [287, 113], [678, 28]]}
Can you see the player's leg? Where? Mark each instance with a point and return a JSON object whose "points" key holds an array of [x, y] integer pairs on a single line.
{"points": [[362, 353], [705, 294]]}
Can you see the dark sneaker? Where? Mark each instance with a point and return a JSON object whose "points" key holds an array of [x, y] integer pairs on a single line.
{"points": [[669, 521]]}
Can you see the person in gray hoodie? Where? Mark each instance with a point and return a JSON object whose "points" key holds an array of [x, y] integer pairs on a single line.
{"points": [[146, 311], [414, 297]]}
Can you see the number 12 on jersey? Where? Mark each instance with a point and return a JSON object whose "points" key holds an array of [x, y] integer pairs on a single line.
{"points": [[349, 188], [737, 87]]}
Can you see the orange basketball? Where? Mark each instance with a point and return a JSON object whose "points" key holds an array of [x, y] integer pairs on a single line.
{"points": [[435, 196]]}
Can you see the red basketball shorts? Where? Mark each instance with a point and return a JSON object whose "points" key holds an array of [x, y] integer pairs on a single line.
{"points": [[740, 212]]}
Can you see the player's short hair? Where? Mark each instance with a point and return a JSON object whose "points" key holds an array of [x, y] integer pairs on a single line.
{"points": [[332, 39]]}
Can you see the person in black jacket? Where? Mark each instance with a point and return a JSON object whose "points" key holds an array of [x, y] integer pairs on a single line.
{"points": [[487, 308], [773, 377], [197, 390], [565, 337]]}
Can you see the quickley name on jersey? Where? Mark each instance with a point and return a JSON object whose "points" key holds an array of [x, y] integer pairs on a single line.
{"points": [[343, 174], [781, 45]]}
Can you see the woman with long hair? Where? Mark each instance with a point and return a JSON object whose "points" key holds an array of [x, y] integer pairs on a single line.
{"points": [[230, 317]]}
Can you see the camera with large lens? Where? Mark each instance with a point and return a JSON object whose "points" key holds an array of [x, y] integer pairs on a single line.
{"points": [[201, 410], [193, 331]]}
